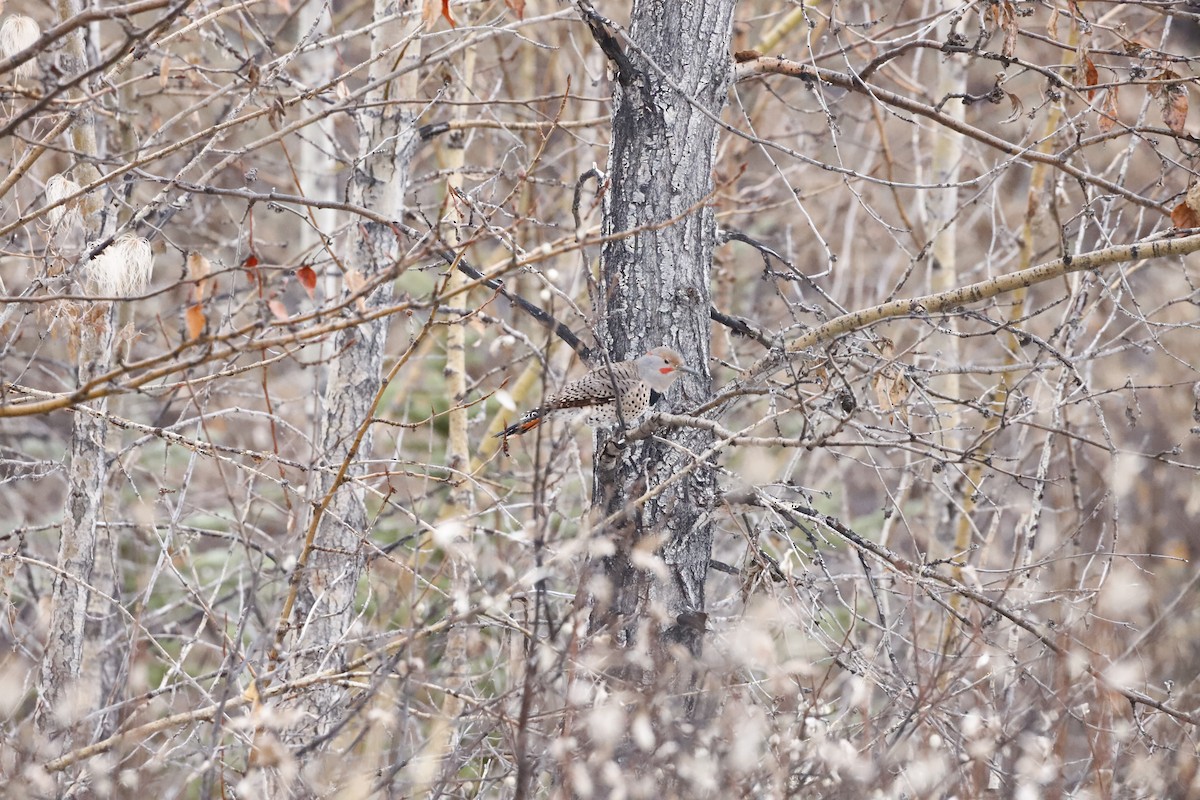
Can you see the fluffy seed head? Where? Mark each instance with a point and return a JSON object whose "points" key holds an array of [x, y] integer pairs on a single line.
{"points": [[124, 268], [18, 32], [58, 187]]}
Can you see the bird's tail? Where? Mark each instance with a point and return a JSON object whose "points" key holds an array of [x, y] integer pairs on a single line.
{"points": [[524, 425]]}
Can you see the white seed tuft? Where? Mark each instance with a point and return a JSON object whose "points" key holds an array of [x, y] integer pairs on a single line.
{"points": [[17, 33], [67, 215], [124, 268]]}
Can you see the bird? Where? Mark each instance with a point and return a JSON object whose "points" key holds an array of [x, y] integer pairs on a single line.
{"points": [[595, 396]]}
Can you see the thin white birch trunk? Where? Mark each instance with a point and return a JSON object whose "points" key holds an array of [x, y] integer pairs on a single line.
{"points": [[325, 607], [80, 665]]}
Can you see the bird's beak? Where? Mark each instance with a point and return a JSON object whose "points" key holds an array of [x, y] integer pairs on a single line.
{"points": [[691, 371]]}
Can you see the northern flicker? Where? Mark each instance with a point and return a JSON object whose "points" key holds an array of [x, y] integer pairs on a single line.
{"points": [[592, 396]]}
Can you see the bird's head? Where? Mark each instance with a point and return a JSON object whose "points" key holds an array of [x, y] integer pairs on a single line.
{"points": [[661, 366]]}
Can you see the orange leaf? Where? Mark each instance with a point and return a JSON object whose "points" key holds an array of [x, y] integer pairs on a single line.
{"points": [[1108, 110], [429, 12], [198, 269], [446, 13], [308, 279], [1091, 76], [195, 321], [355, 281], [517, 7], [1184, 216]]}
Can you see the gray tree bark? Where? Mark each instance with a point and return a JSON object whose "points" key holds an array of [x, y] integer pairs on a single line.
{"points": [[656, 291], [81, 668]]}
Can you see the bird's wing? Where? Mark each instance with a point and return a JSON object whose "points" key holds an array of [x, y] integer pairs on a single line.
{"points": [[561, 403]]}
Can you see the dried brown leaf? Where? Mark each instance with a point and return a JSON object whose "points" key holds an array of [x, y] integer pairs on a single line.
{"points": [[1174, 100], [1018, 108], [1187, 213], [890, 385], [1184, 217], [1004, 14], [1108, 110], [1133, 48], [891, 390], [1193, 197]]}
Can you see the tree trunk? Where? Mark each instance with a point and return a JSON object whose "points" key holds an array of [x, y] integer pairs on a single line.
{"points": [[325, 603], [81, 667], [670, 86]]}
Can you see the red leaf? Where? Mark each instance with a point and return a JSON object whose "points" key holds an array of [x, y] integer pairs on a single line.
{"points": [[517, 7], [446, 13], [251, 266], [308, 279], [195, 321]]}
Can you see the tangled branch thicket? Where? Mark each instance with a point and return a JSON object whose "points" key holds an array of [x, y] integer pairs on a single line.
{"points": [[954, 533]]}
